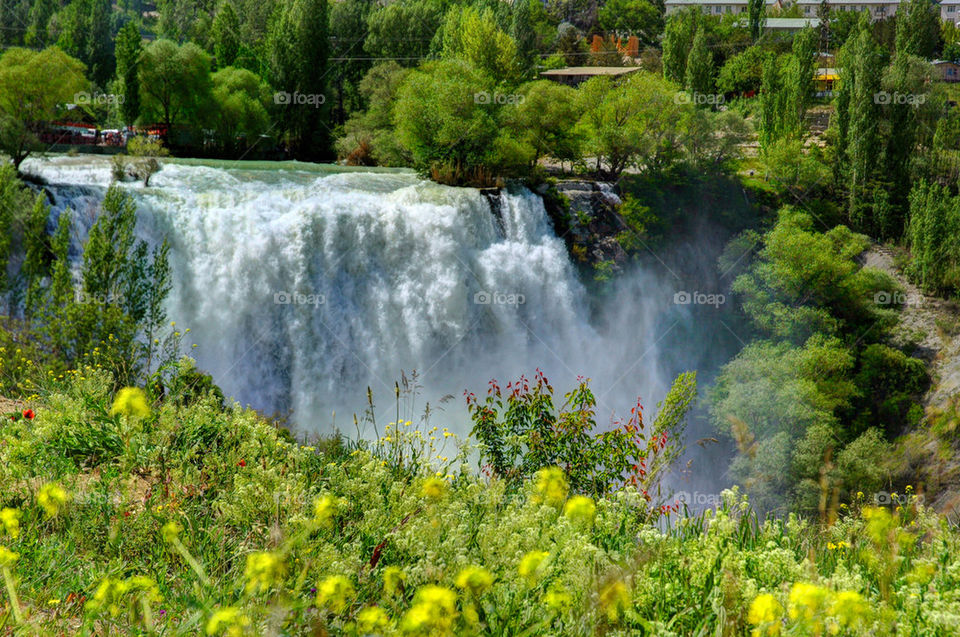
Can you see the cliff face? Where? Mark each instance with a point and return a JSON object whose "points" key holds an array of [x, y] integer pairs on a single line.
{"points": [[586, 217]]}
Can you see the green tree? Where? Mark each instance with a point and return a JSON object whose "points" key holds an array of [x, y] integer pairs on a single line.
{"points": [[33, 86], [36, 253], [368, 136], [241, 112], [918, 28], [225, 34], [756, 17], [129, 47], [348, 20], [545, 120], [681, 27], [699, 75], [523, 32], [175, 83], [402, 31], [631, 17], [742, 72], [475, 36], [298, 48]]}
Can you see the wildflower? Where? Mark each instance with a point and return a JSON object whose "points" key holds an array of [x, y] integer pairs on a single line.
{"points": [[558, 599], [51, 499], [765, 613], [434, 488], [850, 609], [433, 612], [171, 532], [372, 619], [28, 414], [325, 510], [614, 599], [580, 510], [7, 557], [10, 518], [551, 486], [807, 601], [475, 579], [393, 579], [335, 593], [228, 621], [131, 401], [263, 571], [530, 564], [242, 463]]}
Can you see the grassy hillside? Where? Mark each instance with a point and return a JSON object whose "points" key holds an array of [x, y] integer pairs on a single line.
{"points": [[182, 516]]}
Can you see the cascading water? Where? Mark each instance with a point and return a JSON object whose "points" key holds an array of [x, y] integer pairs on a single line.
{"points": [[302, 285]]}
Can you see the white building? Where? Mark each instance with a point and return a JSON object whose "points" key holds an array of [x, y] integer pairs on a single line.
{"points": [[879, 9], [715, 7], [950, 10]]}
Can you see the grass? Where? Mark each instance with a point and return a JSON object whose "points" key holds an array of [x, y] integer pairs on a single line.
{"points": [[182, 516]]}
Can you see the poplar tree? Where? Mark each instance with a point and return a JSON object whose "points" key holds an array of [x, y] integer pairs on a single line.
{"points": [[129, 46]]}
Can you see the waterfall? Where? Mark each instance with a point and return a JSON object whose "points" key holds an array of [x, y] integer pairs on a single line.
{"points": [[302, 285]]}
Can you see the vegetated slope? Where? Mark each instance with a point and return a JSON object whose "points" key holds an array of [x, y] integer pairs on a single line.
{"points": [[932, 325]]}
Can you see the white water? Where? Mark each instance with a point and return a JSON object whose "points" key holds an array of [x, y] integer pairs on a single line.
{"points": [[388, 268]]}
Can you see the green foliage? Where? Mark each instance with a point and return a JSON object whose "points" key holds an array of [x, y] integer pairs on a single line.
{"points": [[475, 37], [402, 31], [698, 78], [175, 83], [806, 282], [33, 86], [545, 120], [918, 28], [446, 118], [241, 116], [129, 47], [678, 34], [742, 72], [756, 17], [298, 48], [225, 34], [631, 17], [931, 235], [369, 136], [522, 432]]}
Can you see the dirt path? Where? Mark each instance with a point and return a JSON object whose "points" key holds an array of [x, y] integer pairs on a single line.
{"points": [[934, 321]]}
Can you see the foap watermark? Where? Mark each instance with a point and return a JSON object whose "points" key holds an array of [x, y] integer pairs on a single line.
{"points": [[698, 499], [92, 99], [698, 298], [298, 298], [883, 97], [82, 297], [898, 298], [498, 298], [484, 97], [297, 98], [883, 498], [700, 99]]}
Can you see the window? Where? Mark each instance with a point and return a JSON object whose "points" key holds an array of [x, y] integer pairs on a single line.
{"points": [[951, 9], [806, 10]]}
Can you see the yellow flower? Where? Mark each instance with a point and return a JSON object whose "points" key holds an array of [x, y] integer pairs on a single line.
{"points": [[263, 571], [531, 563], [336, 592], [807, 602], [551, 486], [433, 612], [393, 578], [325, 511], [171, 532], [765, 613], [558, 599], [372, 619], [850, 609], [434, 488], [475, 579], [10, 518], [580, 510], [51, 499], [131, 401], [228, 621], [7, 557], [614, 599]]}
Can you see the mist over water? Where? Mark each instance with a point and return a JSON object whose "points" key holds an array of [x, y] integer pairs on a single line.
{"points": [[303, 286]]}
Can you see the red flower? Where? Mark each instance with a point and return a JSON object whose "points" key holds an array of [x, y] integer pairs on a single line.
{"points": [[28, 414], [242, 463], [126, 514]]}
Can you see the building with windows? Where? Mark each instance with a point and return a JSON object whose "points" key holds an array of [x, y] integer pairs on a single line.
{"points": [[716, 7], [950, 11]]}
